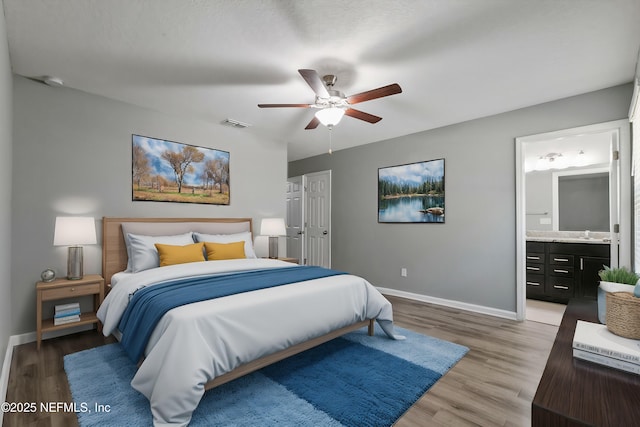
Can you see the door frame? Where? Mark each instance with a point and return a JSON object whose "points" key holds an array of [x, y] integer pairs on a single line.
{"points": [[296, 180], [621, 137]]}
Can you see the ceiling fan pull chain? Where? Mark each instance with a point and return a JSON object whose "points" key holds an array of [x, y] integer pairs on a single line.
{"points": [[330, 142]]}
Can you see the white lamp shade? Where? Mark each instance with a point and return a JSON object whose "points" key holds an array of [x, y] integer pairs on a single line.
{"points": [[330, 116], [74, 230], [273, 227]]}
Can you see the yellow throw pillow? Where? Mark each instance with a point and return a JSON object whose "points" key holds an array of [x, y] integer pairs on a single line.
{"points": [[171, 254], [218, 251]]}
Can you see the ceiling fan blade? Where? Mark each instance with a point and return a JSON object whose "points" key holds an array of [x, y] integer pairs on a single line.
{"points": [[391, 89], [284, 105], [357, 114], [313, 123], [313, 79]]}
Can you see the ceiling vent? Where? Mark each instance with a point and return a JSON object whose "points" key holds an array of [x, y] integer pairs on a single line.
{"points": [[52, 81], [235, 123]]}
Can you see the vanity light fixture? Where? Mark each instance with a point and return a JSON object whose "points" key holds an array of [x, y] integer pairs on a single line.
{"points": [[581, 159], [551, 157], [550, 161]]}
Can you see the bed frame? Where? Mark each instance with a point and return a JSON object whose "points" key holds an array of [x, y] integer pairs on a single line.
{"points": [[114, 259]]}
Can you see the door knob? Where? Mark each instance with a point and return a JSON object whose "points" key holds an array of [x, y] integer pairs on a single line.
{"points": [[325, 232]]}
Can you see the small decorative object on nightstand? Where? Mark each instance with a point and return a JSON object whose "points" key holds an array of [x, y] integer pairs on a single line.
{"points": [[48, 275], [92, 284]]}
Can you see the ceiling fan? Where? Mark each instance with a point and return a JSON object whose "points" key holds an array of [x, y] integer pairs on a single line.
{"points": [[333, 104]]}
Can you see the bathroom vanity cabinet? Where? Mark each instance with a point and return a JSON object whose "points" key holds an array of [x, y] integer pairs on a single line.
{"points": [[558, 271]]}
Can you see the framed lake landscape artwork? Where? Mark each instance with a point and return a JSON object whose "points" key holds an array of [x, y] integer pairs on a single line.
{"points": [[167, 171], [412, 193]]}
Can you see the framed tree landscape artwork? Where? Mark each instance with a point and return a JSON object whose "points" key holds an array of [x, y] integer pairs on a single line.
{"points": [[167, 171], [412, 193]]}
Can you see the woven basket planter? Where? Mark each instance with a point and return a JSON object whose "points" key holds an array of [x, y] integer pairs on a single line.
{"points": [[623, 314]]}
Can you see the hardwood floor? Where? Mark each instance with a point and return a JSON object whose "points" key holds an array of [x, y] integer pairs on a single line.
{"points": [[38, 376], [493, 385]]}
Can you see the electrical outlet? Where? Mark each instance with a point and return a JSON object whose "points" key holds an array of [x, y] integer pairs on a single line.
{"points": [[403, 272]]}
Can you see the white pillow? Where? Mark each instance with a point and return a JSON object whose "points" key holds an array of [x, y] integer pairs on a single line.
{"points": [[143, 254], [229, 238]]}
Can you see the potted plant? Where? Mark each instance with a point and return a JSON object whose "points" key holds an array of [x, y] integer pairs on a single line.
{"points": [[618, 279]]}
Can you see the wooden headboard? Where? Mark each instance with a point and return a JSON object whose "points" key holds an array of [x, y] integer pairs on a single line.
{"points": [[114, 250]]}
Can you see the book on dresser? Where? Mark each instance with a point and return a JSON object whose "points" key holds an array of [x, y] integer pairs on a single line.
{"points": [[595, 343], [634, 368], [66, 313]]}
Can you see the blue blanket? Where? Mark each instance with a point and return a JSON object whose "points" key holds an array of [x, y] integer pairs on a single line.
{"points": [[149, 304]]}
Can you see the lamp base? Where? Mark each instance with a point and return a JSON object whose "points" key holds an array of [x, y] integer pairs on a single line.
{"points": [[273, 247], [74, 263]]}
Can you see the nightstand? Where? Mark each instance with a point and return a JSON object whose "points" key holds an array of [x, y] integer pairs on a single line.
{"points": [[91, 284], [285, 259]]}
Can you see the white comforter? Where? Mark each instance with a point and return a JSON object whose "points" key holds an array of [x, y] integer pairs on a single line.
{"points": [[193, 344]]}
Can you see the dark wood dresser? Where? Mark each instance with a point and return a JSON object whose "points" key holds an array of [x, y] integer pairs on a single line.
{"points": [[574, 392]]}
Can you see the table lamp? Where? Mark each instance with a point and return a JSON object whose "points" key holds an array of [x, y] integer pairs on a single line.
{"points": [[74, 231], [273, 227]]}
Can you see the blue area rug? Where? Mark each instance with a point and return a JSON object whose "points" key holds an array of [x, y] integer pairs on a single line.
{"points": [[355, 380]]}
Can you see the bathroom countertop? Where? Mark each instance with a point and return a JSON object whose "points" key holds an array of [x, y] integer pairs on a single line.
{"points": [[598, 238], [591, 240]]}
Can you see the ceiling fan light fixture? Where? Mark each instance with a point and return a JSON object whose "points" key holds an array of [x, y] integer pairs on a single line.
{"points": [[330, 116]]}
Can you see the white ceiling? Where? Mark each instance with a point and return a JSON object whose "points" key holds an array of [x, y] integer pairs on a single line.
{"points": [[455, 60]]}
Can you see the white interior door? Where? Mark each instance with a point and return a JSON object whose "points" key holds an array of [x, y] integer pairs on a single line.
{"points": [[317, 230], [294, 219]]}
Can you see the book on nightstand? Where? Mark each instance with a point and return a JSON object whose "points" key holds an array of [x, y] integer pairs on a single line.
{"points": [[595, 343], [66, 313], [65, 308], [66, 319]]}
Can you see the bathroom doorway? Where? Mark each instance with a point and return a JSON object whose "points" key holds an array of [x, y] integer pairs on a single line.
{"points": [[545, 157]]}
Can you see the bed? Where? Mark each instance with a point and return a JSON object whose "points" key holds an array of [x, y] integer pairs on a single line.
{"points": [[206, 343]]}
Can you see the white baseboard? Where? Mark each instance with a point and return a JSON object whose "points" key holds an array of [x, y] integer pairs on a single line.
{"points": [[15, 340], [451, 303]]}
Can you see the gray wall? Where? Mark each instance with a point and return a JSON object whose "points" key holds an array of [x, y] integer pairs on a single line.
{"points": [[472, 257], [72, 155], [6, 120], [538, 199]]}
